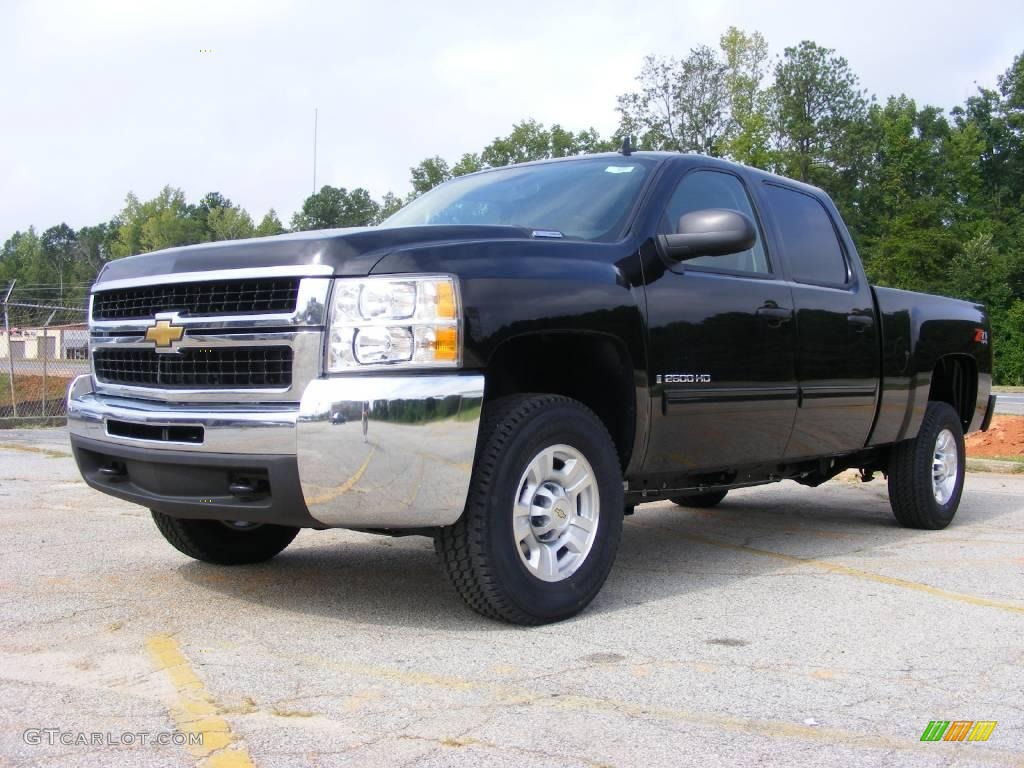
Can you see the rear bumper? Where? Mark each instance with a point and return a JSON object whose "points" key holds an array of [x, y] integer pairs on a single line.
{"points": [[315, 463]]}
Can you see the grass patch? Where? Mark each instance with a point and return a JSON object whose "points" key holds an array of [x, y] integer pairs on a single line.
{"points": [[1014, 459], [29, 388], [1008, 390], [1010, 467], [472, 413]]}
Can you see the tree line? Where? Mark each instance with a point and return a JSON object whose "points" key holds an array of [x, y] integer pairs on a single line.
{"points": [[934, 199]]}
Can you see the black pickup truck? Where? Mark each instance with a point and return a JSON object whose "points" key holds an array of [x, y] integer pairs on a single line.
{"points": [[513, 362]]}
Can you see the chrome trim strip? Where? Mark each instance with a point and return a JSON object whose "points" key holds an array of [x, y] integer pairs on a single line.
{"points": [[311, 270], [227, 429], [310, 310], [204, 341], [412, 467]]}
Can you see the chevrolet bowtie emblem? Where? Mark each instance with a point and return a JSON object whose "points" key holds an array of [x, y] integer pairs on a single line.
{"points": [[163, 334]]}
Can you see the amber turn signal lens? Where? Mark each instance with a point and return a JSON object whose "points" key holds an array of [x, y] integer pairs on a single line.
{"points": [[446, 345], [445, 300]]}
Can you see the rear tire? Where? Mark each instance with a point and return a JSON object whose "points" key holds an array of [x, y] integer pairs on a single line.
{"points": [[543, 517], [926, 474], [700, 500], [223, 542]]}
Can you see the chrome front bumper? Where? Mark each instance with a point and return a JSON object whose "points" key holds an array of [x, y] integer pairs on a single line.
{"points": [[369, 451]]}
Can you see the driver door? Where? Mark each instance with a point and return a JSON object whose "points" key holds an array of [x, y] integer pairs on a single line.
{"points": [[722, 341]]}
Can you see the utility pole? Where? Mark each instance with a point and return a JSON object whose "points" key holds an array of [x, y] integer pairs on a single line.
{"points": [[46, 355], [10, 348], [316, 116]]}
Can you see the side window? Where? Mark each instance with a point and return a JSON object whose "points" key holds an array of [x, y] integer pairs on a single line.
{"points": [[808, 237], [712, 189]]}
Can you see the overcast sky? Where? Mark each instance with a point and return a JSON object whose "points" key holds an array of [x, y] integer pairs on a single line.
{"points": [[99, 98]]}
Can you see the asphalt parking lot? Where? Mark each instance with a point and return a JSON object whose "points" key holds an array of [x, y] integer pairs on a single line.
{"points": [[788, 627]]}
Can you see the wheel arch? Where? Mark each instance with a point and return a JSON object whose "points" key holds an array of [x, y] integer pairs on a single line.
{"points": [[954, 380], [594, 368]]}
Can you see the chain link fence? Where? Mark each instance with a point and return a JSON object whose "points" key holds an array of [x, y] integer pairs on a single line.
{"points": [[44, 344]]}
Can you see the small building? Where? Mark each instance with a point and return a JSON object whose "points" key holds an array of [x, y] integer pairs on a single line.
{"points": [[56, 342]]}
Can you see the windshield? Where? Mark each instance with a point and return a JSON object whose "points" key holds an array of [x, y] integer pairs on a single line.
{"points": [[586, 199]]}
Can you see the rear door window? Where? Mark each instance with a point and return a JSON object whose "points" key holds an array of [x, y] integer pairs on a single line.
{"points": [[808, 238]]}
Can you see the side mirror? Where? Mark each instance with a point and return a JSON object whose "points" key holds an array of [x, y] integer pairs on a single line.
{"points": [[710, 232]]}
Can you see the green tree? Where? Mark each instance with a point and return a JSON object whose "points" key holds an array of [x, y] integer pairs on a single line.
{"points": [[748, 136], [428, 174], [468, 163], [59, 250], [1009, 339], [336, 207], [816, 102], [229, 223], [682, 104], [163, 222], [211, 201], [269, 225], [95, 246], [389, 205], [529, 140], [21, 258], [903, 211]]}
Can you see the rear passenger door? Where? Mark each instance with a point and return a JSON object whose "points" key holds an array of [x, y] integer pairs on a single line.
{"points": [[721, 345], [837, 353]]}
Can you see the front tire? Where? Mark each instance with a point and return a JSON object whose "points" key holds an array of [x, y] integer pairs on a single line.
{"points": [[926, 474], [223, 542], [544, 514]]}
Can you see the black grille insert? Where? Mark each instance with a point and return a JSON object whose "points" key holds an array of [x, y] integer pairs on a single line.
{"points": [[223, 297], [194, 368], [175, 434]]}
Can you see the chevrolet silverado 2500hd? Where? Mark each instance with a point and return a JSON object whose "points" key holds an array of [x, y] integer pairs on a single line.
{"points": [[513, 362]]}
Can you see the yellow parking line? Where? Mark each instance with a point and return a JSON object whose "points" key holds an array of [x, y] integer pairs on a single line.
{"points": [[846, 570], [195, 711], [48, 452], [513, 694], [345, 487]]}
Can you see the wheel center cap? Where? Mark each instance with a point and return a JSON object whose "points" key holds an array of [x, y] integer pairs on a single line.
{"points": [[553, 512], [559, 517]]}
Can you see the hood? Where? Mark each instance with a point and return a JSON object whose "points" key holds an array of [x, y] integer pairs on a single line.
{"points": [[349, 252]]}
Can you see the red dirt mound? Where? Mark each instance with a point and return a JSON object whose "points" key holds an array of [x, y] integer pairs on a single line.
{"points": [[1004, 439]]}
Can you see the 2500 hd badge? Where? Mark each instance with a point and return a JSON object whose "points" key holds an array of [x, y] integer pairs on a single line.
{"points": [[683, 378]]}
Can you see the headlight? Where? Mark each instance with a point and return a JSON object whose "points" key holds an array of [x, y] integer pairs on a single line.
{"points": [[411, 322]]}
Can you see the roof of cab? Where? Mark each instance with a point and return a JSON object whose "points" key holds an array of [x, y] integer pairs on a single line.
{"points": [[686, 158]]}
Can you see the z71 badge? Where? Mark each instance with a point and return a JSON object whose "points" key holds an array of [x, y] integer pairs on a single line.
{"points": [[684, 378]]}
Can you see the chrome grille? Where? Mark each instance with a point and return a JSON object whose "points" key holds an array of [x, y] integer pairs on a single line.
{"points": [[268, 342], [267, 367], [209, 299]]}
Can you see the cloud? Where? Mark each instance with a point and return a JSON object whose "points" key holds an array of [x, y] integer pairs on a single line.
{"points": [[103, 98]]}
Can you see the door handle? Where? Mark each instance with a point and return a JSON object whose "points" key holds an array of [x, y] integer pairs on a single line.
{"points": [[775, 314], [860, 322]]}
